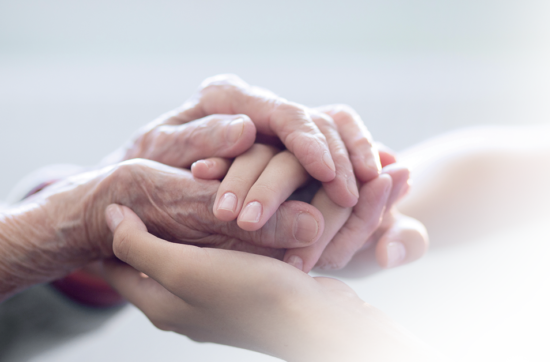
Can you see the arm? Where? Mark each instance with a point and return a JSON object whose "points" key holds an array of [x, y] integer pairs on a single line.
{"points": [[63, 227], [250, 301], [503, 171]]}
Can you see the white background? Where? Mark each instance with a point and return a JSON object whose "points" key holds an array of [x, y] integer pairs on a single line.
{"points": [[77, 78]]}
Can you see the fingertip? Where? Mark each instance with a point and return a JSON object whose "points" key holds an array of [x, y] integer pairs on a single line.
{"points": [[405, 242], [295, 261], [339, 192], [240, 135], [249, 218], [400, 178], [113, 216], [200, 169], [226, 207], [214, 168]]}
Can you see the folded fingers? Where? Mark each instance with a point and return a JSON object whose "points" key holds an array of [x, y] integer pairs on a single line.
{"points": [[218, 135]]}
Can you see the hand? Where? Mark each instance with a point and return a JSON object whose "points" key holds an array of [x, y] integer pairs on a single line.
{"points": [[65, 222], [262, 178], [312, 136], [249, 301]]}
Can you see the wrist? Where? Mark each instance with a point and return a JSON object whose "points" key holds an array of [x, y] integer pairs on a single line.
{"points": [[27, 255]]}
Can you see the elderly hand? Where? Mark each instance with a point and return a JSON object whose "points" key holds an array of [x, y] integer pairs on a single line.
{"points": [[312, 136], [63, 227], [250, 301], [257, 182]]}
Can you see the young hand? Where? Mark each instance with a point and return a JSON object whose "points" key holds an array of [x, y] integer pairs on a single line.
{"points": [[257, 182], [249, 301]]}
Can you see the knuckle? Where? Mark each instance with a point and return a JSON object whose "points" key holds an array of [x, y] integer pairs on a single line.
{"points": [[305, 146], [222, 80], [344, 110], [323, 120], [362, 143]]}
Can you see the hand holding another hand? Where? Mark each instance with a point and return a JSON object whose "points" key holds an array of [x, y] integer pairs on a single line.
{"points": [[249, 301]]}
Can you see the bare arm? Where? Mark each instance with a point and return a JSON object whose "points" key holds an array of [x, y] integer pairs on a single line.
{"points": [[478, 179]]}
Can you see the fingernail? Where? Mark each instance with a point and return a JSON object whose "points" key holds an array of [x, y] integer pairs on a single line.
{"points": [[234, 130], [207, 163], [352, 186], [114, 216], [228, 202], [296, 262], [305, 227], [252, 212], [327, 159], [396, 253]]}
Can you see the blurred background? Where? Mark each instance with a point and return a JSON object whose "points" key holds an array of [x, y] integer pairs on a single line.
{"points": [[77, 78]]}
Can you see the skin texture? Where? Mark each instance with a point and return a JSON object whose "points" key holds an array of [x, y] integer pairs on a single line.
{"points": [[262, 175], [50, 234], [311, 135], [211, 295], [356, 212], [62, 226]]}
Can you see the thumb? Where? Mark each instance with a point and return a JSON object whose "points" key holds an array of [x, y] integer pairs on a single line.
{"points": [[116, 214]]}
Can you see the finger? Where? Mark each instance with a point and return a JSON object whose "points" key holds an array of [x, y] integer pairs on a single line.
{"points": [[362, 223], [400, 182], [281, 177], [405, 241], [387, 155], [295, 224], [272, 115], [335, 216], [133, 245], [357, 139], [243, 173], [143, 292], [191, 273], [214, 168], [180, 145], [343, 188]]}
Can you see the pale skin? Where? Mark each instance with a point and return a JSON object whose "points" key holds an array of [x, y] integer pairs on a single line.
{"points": [[321, 319], [61, 228], [266, 176], [250, 301]]}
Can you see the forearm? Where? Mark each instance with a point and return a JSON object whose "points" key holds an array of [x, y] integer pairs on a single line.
{"points": [[45, 237], [26, 256], [479, 177], [347, 330]]}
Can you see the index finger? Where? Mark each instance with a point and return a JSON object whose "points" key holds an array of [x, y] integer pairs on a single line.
{"points": [[272, 115]]}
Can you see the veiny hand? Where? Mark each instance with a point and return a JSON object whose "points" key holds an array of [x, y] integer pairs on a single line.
{"points": [[312, 136], [249, 301], [65, 225]]}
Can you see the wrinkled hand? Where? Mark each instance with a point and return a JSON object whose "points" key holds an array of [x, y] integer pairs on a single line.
{"points": [[263, 177], [66, 227], [185, 135], [249, 301]]}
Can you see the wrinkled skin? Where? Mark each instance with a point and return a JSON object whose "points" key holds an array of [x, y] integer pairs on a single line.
{"points": [[51, 234], [354, 218]]}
